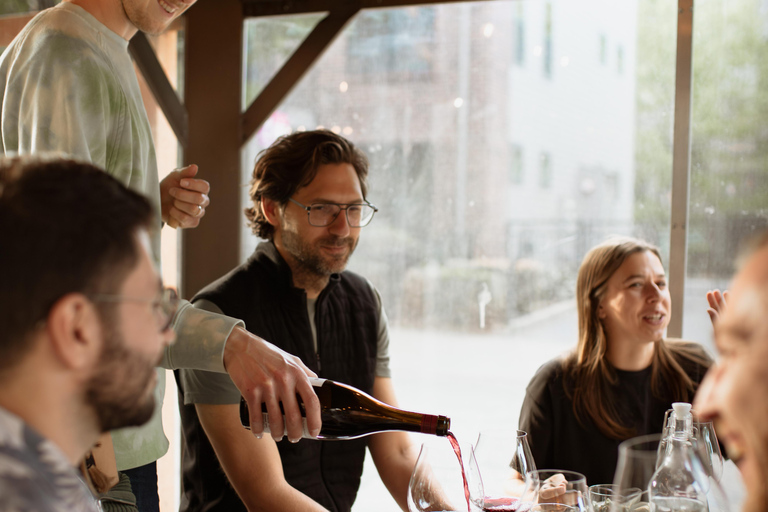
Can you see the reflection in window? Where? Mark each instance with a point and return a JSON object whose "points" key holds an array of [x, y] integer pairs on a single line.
{"points": [[603, 50], [548, 42], [516, 169], [519, 35], [372, 51], [545, 170], [620, 60]]}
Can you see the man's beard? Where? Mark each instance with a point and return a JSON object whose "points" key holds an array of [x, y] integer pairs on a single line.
{"points": [[120, 392], [310, 258]]}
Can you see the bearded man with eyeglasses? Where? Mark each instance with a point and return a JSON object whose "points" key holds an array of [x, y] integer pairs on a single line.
{"points": [[84, 319], [309, 203]]}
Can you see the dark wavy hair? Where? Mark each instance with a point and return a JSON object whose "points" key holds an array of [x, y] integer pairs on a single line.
{"points": [[66, 227], [589, 377], [291, 163]]}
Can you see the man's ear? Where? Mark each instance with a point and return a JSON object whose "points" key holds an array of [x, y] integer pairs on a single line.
{"points": [[271, 211], [75, 331]]}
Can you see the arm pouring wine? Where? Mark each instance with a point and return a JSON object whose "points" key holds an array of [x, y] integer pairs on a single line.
{"points": [[348, 413]]}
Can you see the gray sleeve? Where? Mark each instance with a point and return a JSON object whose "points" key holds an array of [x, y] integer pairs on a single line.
{"points": [[382, 345], [207, 387], [200, 339]]}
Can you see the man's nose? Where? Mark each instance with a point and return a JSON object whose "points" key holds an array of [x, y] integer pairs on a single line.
{"points": [[340, 225]]}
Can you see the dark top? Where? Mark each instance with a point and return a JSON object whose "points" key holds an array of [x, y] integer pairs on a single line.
{"points": [[347, 320], [557, 439]]}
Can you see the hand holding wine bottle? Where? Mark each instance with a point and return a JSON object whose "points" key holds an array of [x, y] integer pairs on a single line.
{"points": [[348, 413]]}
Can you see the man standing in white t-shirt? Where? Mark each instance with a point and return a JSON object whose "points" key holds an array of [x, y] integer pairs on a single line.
{"points": [[67, 84]]}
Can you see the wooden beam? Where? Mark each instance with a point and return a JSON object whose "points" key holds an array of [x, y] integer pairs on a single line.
{"points": [[161, 87], [12, 25], [212, 94], [293, 70], [681, 167], [256, 8]]}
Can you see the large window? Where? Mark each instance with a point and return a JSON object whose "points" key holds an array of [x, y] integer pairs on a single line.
{"points": [[729, 151], [492, 175]]}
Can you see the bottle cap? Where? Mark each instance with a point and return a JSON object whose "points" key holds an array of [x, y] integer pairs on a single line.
{"points": [[682, 409]]}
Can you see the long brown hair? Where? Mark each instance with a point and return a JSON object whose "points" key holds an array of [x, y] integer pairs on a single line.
{"points": [[589, 376]]}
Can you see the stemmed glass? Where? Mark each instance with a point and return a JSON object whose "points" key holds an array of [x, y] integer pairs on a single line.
{"points": [[604, 497], [558, 486], [638, 459], [708, 447], [498, 464], [436, 483]]}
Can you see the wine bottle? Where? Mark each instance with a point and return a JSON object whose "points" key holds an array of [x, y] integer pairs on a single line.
{"points": [[348, 413]]}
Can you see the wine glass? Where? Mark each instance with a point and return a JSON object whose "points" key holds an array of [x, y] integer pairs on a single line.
{"points": [[437, 482], [708, 447], [604, 497], [561, 487], [552, 507], [638, 459], [498, 464]]}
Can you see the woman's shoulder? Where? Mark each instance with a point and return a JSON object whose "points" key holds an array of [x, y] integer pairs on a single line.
{"points": [[692, 357], [690, 350], [548, 374]]}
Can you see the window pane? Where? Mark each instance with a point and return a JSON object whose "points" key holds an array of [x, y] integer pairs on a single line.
{"points": [[494, 175], [268, 44], [729, 153]]}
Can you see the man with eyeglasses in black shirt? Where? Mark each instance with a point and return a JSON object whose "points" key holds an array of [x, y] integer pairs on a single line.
{"points": [[309, 202]]}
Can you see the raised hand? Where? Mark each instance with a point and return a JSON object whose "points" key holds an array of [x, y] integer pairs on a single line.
{"points": [[183, 198], [717, 302]]}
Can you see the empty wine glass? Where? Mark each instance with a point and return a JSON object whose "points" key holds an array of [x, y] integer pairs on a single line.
{"points": [[552, 507], [437, 482], [638, 459], [604, 497], [708, 448], [559, 486], [498, 465]]}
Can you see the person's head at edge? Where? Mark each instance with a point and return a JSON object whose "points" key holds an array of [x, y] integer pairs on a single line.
{"points": [[80, 304], [126, 17], [297, 171], [624, 309], [734, 392]]}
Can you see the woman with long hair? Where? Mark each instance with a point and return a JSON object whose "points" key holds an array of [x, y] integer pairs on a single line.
{"points": [[623, 374]]}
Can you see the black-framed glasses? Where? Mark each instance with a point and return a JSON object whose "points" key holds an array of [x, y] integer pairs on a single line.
{"points": [[324, 214], [164, 307]]}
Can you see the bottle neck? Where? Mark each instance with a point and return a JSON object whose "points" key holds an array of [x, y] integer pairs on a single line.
{"points": [[683, 427]]}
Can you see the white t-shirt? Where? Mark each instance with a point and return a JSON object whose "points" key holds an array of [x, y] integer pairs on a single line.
{"points": [[68, 85]]}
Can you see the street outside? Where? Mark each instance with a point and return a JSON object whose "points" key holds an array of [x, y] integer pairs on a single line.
{"points": [[479, 379]]}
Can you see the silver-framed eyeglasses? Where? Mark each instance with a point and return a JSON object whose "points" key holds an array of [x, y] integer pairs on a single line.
{"points": [[324, 214], [163, 307]]}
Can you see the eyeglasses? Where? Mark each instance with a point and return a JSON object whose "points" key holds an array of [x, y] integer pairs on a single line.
{"points": [[324, 214], [163, 307]]}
